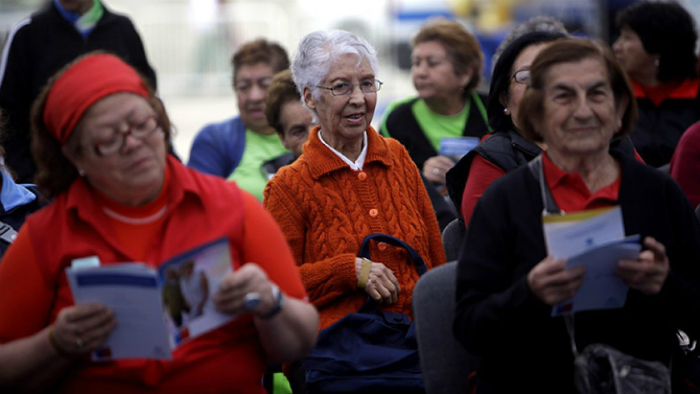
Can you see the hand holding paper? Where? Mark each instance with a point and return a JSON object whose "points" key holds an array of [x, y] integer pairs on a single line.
{"points": [[649, 273], [552, 283]]}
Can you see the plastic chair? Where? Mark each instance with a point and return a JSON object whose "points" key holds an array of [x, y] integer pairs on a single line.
{"points": [[452, 237], [445, 364]]}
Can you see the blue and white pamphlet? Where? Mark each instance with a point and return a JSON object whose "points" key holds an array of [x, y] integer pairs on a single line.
{"points": [[155, 309], [595, 239]]}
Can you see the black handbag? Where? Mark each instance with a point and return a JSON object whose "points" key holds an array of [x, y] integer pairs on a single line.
{"points": [[369, 350]]}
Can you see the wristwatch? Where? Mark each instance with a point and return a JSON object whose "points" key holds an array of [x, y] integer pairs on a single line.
{"points": [[278, 296]]}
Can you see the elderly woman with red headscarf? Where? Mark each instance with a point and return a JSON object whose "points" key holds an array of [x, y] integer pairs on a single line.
{"points": [[100, 136]]}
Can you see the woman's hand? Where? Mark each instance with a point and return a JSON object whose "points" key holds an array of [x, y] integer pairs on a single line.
{"points": [[649, 272], [434, 168], [80, 329], [381, 285], [248, 279], [552, 283]]}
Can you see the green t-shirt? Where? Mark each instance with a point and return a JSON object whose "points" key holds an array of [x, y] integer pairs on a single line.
{"points": [[435, 126], [259, 148]]}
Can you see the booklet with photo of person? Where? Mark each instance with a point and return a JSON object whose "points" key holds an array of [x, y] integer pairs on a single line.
{"points": [[156, 309]]}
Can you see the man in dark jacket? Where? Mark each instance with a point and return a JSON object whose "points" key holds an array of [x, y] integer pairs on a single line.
{"points": [[40, 46]]}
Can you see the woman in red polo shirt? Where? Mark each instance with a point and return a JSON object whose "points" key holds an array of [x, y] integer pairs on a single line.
{"points": [[578, 101], [100, 138]]}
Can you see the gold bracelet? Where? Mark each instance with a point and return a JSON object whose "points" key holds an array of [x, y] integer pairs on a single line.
{"points": [[364, 274], [55, 346]]}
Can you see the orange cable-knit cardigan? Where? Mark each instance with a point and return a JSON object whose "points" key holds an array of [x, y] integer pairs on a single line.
{"points": [[326, 209]]}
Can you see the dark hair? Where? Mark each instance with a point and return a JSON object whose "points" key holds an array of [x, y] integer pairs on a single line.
{"points": [[665, 29], [572, 50], [500, 79], [281, 91], [461, 46], [55, 173], [260, 51]]}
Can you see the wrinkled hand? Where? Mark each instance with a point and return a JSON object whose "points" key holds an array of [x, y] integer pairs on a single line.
{"points": [[434, 168], [250, 278], [552, 283], [382, 285], [80, 329], [649, 272]]}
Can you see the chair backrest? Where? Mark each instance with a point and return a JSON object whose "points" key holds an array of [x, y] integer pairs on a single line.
{"points": [[445, 364], [452, 239]]}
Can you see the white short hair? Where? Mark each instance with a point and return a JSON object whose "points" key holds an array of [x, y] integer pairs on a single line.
{"points": [[319, 50]]}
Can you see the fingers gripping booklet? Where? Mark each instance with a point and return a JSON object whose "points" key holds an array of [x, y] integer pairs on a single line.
{"points": [[595, 239], [156, 309]]}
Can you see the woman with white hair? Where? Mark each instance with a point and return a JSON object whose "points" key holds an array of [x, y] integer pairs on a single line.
{"points": [[349, 183]]}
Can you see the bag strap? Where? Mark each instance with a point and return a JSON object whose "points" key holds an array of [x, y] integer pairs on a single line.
{"points": [[537, 170], [550, 207], [417, 260]]}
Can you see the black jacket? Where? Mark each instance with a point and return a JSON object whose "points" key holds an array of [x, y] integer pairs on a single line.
{"points": [[658, 129], [508, 150], [403, 126], [522, 348], [38, 48]]}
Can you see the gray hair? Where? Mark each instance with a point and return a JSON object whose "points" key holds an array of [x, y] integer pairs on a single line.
{"points": [[319, 50], [540, 23]]}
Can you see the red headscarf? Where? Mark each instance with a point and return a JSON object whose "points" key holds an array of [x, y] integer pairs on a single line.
{"points": [[82, 85]]}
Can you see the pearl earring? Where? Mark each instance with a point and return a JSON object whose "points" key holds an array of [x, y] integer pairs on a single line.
{"points": [[656, 62], [505, 111], [81, 172]]}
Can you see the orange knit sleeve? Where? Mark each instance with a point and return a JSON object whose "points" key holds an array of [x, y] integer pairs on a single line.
{"points": [[326, 279], [264, 244], [25, 296]]}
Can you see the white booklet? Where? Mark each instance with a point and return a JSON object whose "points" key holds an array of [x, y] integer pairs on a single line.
{"points": [[594, 238], [156, 310]]}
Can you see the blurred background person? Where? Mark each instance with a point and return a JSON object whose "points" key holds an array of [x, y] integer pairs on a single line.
{"points": [[17, 201], [350, 182], [100, 136], [578, 100], [446, 70], [685, 164], [40, 46], [237, 148], [288, 116], [656, 47], [505, 149], [540, 23]]}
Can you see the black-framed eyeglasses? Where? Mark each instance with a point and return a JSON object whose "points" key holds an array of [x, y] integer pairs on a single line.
{"points": [[343, 88], [522, 76], [116, 141]]}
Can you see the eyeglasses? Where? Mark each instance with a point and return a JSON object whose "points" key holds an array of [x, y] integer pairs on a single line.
{"points": [[116, 142], [522, 76], [343, 88]]}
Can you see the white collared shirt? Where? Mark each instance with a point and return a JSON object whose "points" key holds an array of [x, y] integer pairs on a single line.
{"points": [[357, 165]]}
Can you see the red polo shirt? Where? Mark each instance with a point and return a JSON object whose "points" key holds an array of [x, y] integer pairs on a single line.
{"points": [[571, 193]]}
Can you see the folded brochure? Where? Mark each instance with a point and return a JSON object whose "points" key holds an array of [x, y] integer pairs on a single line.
{"points": [[156, 309]]}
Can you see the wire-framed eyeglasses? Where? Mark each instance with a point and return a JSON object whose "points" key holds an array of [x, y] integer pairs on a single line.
{"points": [[116, 141], [343, 88], [522, 76]]}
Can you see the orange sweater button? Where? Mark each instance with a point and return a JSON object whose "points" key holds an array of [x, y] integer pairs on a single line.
{"points": [[382, 246], [373, 213], [362, 176]]}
